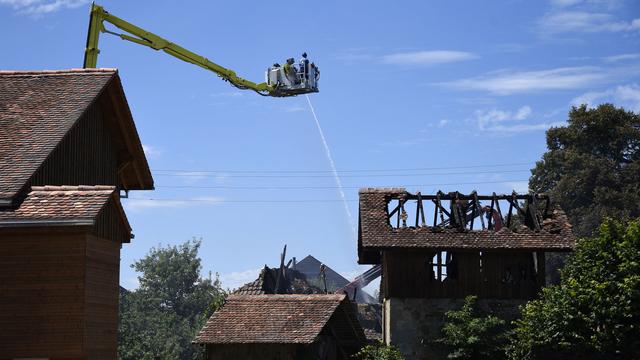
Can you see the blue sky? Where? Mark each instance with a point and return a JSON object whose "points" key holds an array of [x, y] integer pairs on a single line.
{"points": [[431, 95]]}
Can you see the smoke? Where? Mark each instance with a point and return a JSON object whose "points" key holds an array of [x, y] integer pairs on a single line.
{"points": [[333, 169]]}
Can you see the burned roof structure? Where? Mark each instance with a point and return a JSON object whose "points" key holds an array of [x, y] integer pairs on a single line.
{"points": [[434, 250], [310, 267], [278, 281], [392, 218], [290, 278], [295, 326]]}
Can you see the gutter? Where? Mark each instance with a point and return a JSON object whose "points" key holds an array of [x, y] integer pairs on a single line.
{"points": [[38, 222]]}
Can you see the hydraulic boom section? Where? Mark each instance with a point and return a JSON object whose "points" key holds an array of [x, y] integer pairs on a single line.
{"points": [[281, 81]]}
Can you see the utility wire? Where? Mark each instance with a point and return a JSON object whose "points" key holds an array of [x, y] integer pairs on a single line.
{"points": [[225, 187], [199, 174], [225, 201], [339, 171]]}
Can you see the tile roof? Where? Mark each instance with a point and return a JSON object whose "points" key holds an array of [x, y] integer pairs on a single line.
{"points": [[56, 203], [376, 233], [261, 319], [37, 109], [253, 288]]}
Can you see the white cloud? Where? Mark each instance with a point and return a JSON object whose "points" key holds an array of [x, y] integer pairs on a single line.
{"points": [[627, 96], [140, 204], [191, 177], [151, 151], [506, 82], [486, 119], [522, 113], [609, 4], [234, 280], [621, 57], [41, 7], [564, 3], [525, 127], [505, 121], [442, 123], [431, 57], [583, 21]]}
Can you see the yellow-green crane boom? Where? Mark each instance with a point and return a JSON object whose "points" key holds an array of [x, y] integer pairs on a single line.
{"points": [[281, 81]]}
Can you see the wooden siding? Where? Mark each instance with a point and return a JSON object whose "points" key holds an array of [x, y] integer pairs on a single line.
{"points": [[111, 225], [412, 275], [42, 295], [58, 294], [86, 155], [101, 293]]}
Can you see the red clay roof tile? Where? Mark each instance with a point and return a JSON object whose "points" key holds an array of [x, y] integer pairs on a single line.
{"points": [[60, 203], [37, 108], [292, 319]]}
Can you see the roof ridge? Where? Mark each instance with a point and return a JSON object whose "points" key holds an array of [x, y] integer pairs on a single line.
{"points": [[384, 190], [75, 71], [71, 189], [289, 297]]}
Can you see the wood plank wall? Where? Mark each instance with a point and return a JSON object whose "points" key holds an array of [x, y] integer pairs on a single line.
{"points": [[108, 224], [86, 156], [102, 296], [42, 295], [58, 295], [411, 275]]}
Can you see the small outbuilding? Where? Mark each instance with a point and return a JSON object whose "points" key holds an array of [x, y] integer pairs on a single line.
{"points": [[283, 327]]}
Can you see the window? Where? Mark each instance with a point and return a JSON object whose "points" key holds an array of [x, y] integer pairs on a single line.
{"points": [[438, 266]]}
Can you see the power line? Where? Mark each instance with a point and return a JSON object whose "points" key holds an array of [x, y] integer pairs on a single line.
{"points": [[340, 171], [225, 201], [293, 201], [225, 187], [204, 174]]}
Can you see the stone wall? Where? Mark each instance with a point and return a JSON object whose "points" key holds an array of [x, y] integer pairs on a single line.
{"points": [[412, 324]]}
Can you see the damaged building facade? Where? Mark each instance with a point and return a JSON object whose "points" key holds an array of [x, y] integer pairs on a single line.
{"points": [[305, 277], [437, 249]]}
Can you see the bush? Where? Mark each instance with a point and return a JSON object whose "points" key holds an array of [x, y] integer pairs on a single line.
{"points": [[594, 313], [467, 334], [379, 352]]}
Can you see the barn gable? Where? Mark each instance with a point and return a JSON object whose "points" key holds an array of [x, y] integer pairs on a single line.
{"points": [[69, 127]]}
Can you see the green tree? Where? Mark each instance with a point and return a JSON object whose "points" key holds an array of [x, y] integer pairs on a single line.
{"points": [[592, 167], [160, 318], [468, 334], [594, 313], [379, 352]]}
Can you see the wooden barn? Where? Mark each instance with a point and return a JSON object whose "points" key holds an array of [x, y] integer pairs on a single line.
{"points": [[283, 327], [68, 149], [437, 249]]}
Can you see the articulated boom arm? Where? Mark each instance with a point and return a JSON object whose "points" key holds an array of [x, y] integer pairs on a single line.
{"points": [[143, 37]]}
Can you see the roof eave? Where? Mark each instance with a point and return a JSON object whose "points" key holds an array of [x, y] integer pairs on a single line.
{"points": [[137, 173], [45, 222]]}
